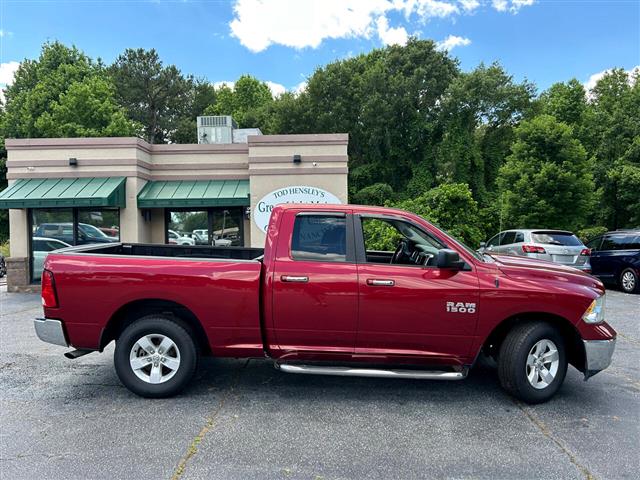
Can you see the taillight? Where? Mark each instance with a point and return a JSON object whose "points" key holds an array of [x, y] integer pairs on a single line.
{"points": [[585, 252], [532, 249], [49, 297]]}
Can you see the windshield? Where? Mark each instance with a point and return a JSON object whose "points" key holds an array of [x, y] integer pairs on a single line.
{"points": [[91, 231], [567, 239]]}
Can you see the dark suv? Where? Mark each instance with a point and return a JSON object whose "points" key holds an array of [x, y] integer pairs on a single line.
{"points": [[615, 258]]}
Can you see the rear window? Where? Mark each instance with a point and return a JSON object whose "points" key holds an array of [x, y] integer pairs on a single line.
{"points": [[556, 238], [320, 238]]}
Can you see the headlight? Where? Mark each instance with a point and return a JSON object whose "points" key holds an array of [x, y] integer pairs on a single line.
{"points": [[595, 312]]}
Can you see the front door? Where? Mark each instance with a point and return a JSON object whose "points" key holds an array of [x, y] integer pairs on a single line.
{"points": [[410, 310], [315, 286]]}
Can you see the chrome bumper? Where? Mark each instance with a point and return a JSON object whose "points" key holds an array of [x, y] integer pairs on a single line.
{"points": [[50, 331], [597, 355]]}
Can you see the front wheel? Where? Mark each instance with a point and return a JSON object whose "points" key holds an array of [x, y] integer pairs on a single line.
{"points": [[155, 356], [629, 281], [532, 362]]}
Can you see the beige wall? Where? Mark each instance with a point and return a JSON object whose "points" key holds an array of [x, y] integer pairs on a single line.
{"points": [[267, 161]]}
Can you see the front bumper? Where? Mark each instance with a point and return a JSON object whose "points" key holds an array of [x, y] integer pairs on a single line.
{"points": [[50, 331], [597, 355]]}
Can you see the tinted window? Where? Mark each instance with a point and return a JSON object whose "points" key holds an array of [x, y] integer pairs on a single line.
{"points": [[556, 238], [519, 237], [319, 237], [620, 242], [494, 241], [594, 244], [508, 238]]}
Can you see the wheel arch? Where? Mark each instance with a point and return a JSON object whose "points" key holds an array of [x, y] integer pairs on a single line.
{"points": [[573, 340], [132, 311]]}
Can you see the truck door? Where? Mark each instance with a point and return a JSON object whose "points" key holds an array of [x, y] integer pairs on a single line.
{"points": [[410, 309], [315, 285]]}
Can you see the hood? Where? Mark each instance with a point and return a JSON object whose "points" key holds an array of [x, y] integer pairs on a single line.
{"points": [[533, 269]]}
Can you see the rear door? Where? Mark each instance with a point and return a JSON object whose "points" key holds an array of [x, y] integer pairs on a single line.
{"points": [[410, 312], [315, 285]]}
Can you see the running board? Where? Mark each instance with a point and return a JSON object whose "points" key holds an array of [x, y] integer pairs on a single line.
{"points": [[371, 372]]}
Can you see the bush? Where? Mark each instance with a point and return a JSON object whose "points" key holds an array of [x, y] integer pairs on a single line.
{"points": [[588, 234], [4, 249]]}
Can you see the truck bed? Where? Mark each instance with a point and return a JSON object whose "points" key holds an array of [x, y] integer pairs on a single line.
{"points": [[159, 250], [219, 286]]}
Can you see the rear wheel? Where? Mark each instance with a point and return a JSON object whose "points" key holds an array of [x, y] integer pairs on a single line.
{"points": [[156, 356], [629, 281], [532, 362]]}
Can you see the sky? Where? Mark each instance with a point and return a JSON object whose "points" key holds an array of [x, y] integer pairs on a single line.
{"points": [[283, 41]]}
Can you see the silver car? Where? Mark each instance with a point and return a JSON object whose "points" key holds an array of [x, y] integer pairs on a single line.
{"points": [[557, 246]]}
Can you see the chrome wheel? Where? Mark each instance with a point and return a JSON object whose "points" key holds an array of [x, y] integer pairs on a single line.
{"points": [[542, 364], [154, 358], [628, 281]]}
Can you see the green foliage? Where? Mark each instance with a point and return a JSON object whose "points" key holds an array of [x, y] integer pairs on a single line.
{"points": [[155, 96], [546, 181], [247, 95], [376, 194], [588, 234], [4, 248], [86, 109]]}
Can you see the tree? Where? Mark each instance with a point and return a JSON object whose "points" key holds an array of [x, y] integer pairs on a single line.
{"points": [[376, 194], [480, 110], [546, 181], [87, 109], [154, 95], [201, 95], [38, 84], [242, 100], [451, 207]]}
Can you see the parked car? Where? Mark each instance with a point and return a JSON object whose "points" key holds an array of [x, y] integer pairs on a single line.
{"points": [[3, 266], [198, 239], [557, 246], [320, 300], [615, 259], [176, 238], [64, 232], [41, 247]]}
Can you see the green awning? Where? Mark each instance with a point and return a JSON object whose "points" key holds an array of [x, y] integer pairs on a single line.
{"points": [[194, 193], [64, 192]]}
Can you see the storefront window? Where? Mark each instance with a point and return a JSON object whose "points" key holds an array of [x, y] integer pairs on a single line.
{"points": [[52, 229], [213, 226]]}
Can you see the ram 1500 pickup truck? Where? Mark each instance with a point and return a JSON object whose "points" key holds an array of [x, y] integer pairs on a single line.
{"points": [[337, 290]]}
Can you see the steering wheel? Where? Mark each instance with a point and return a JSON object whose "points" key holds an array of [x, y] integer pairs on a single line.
{"points": [[402, 250]]}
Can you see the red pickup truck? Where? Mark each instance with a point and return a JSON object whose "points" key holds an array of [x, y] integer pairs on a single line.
{"points": [[324, 297]]}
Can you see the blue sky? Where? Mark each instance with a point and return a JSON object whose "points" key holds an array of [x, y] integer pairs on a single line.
{"points": [[283, 41]]}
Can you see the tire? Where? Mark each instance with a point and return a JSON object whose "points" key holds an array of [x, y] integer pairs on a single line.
{"points": [[160, 373], [629, 281], [515, 366]]}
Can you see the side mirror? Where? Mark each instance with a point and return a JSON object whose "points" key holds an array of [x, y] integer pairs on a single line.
{"points": [[449, 259], [483, 244]]}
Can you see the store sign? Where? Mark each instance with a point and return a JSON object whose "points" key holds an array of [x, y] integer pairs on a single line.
{"points": [[293, 194]]}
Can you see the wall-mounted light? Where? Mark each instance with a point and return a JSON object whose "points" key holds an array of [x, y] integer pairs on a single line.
{"points": [[297, 158], [247, 213], [73, 162]]}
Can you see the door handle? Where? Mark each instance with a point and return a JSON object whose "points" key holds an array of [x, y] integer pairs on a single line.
{"points": [[294, 279], [380, 282]]}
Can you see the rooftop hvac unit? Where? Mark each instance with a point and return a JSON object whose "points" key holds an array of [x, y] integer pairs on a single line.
{"points": [[216, 129]]}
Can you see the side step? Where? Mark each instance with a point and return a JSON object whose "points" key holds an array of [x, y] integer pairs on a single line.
{"points": [[371, 372]]}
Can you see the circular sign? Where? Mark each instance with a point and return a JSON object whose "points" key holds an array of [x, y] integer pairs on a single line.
{"points": [[294, 194]]}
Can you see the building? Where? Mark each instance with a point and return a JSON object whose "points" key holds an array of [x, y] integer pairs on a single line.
{"points": [[97, 190]]}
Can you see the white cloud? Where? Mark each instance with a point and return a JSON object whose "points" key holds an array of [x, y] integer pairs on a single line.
{"points": [[302, 86], [513, 6], [390, 36], [276, 88], [593, 79], [7, 71], [433, 8], [452, 41], [298, 24], [469, 5]]}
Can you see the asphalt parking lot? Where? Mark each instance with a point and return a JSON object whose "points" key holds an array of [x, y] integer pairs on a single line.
{"points": [[243, 419]]}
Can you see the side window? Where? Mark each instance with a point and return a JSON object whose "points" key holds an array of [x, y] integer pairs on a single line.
{"points": [[494, 241], [594, 245], [37, 246], [616, 242], [519, 237], [319, 238], [508, 238]]}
